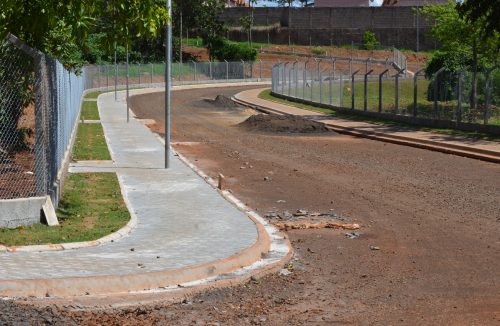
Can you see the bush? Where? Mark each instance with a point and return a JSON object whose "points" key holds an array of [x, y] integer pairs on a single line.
{"points": [[370, 41], [318, 50], [234, 52]]}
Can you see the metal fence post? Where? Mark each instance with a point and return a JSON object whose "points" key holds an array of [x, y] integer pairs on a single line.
{"points": [[341, 94], [152, 72], [365, 90], [98, 76], [290, 79], [227, 70], [320, 80], [380, 89], [210, 69], [304, 81], [312, 84], [459, 97], [436, 93], [296, 79], [260, 70], [283, 78], [396, 92], [330, 95], [139, 72], [352, 88], [194, 63], [116, 77], [107, 77], [243, 70], [179, 71], [415, 91], [128, 118], [487, 90]]}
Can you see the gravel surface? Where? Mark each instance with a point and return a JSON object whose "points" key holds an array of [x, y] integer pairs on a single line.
{"points": [[427, 252]]}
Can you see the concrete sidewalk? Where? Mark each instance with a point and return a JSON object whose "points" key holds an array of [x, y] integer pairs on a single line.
{"points": [[453, 144], [182, 223]]}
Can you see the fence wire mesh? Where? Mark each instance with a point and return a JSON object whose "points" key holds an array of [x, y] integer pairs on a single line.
{"points": [[39, 107], [384, 88]]}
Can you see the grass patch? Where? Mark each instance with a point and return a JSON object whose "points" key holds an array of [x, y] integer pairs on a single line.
{"points": [[90, 143], [89, 111], [266, 95], [91, 208], [93, 95]]}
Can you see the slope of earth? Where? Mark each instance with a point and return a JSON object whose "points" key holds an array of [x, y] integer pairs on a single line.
{"points": [[427, 253]]}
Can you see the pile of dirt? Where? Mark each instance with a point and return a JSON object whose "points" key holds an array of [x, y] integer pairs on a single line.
{"points": [[222, 101], [282, 123]]}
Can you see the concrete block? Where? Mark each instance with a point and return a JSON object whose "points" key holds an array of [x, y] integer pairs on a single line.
{"points": [[18, 212]]}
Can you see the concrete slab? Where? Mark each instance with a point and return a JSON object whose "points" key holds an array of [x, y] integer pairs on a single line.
{"points": [[182, 221]]}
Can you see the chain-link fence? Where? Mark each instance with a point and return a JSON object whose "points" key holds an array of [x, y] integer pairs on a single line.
{"points": [[385, 89], [39, 107], [191, 72]]}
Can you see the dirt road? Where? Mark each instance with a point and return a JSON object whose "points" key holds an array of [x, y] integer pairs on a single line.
{"points": [[428, 251]]}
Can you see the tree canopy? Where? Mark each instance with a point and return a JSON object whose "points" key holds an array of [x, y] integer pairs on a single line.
{"points": [[61, 28], [485, 10]]}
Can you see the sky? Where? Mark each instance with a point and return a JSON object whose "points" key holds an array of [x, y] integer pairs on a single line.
{"points": [[263, 3]]}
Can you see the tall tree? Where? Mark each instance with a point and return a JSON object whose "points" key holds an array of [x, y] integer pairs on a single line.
{"points": [[485, 10], [456, 34]]}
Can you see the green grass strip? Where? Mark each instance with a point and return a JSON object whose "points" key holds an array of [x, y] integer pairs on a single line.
{"points": [[266, 95], [89, 111], [90, 143], [91, 207], [94, 95]]}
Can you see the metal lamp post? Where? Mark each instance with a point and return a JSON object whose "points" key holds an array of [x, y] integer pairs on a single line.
{"points": [[168, 68]]}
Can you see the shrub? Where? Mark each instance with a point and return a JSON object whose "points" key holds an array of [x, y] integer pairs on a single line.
{"points": [[234, 52], [370, 41], [318, 50]]}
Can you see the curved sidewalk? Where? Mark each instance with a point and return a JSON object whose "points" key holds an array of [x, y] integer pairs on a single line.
{"points": [[446, 143], [185, 231]]}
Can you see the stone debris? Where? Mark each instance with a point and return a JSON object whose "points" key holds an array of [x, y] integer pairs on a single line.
{"points": [[286, 215], [297, 225], [300, 212], [374, 248], [284, 272], [352, 235]]}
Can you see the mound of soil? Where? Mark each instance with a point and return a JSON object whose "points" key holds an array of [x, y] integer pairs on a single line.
{"points": [[222, 102], [282, 123]]}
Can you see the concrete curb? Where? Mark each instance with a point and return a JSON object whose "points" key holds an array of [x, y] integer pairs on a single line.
{"points": [[465, 151], [124, 231], [269, 252]]}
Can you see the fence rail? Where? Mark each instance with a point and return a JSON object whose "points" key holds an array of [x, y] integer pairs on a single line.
{"points": [[444, 96]]}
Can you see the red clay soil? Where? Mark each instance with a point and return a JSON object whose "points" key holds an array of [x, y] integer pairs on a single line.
{"points": [[427, 253]]}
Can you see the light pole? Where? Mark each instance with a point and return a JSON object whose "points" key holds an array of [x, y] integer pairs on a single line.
{"points": [[168, 68]]}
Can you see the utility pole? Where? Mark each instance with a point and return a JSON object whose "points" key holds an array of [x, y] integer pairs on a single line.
{"points": [[168, 67]]}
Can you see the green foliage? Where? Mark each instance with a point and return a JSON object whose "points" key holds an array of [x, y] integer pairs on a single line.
{"points": [[246, 23], [486, 10], [235, 52], [370, 41], [318, 50], [468, 37], [61, 28]]}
